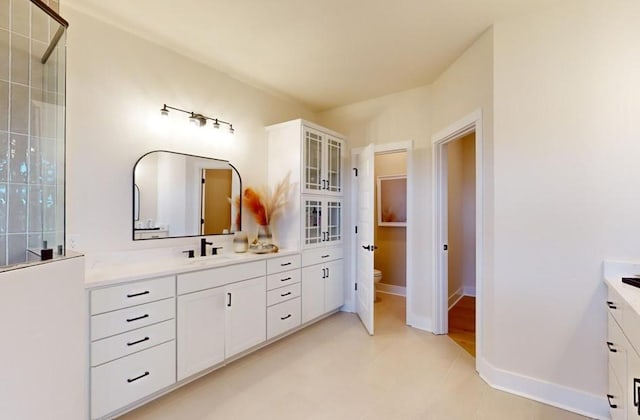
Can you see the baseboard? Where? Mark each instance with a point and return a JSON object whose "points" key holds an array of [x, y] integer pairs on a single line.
{"points": [[570, 399], [469, 291], [391, 289], [455, 297]]}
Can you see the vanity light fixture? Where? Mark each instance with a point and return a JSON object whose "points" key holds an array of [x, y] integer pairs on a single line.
{"points": [[195, 118]]}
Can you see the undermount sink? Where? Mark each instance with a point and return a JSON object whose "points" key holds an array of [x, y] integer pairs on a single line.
{"points": [[210, 259]]}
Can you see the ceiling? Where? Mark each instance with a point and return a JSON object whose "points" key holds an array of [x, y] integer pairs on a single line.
{"points": [[322, 53]]}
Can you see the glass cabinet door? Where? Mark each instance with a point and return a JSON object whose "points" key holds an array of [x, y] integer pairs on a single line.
{"points": [[313, 228], [334, 169], [334, 224], [313, 181]]}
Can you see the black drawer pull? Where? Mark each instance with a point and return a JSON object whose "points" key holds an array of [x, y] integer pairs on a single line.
{"points": [[611, 305], [325, 256], [229, 301], [285, 317], [285, 264], [285, 294], [287, 279], [138, 317], [138, 377], [146, 292], [609, 396], [133, 343], [611, 349]]}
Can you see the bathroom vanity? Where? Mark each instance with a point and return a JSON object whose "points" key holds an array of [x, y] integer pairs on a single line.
{"points": [[157, 326], [623, 341]]}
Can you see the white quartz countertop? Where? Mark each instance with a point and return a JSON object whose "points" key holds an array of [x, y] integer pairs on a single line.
{"points": [[109, 273], [613, 273]]}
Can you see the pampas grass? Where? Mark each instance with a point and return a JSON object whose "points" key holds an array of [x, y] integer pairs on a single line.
{"points": [[264, 204]]}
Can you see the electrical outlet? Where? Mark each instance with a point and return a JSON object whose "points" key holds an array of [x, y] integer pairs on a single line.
{"points": [[72, 241]]}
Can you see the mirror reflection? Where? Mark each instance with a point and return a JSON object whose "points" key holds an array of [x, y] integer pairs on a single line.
{"points": [[177, 195]]}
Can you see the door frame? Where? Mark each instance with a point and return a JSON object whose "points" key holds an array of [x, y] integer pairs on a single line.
{"points": [[401, 146], [466, 125]]}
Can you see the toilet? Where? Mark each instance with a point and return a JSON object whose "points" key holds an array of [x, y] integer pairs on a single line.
{"points": [[377, 276]]}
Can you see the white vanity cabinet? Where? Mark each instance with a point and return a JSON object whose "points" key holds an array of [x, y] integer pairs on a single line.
{"points": [[216, 322], [132, 332], [322, 288], [623, 345]]}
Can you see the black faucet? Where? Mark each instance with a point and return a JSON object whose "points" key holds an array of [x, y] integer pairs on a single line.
{"points": [[203, 246]]}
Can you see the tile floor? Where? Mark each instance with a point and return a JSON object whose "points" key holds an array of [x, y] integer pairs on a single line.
{"points": [[334, 370]]}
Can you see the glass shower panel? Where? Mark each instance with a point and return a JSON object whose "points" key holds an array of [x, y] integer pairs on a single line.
{"points": [[32, 131]]}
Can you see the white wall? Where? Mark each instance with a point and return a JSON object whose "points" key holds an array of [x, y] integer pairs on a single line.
{"points": [[116, 85], [461, 197], [567, 139]]}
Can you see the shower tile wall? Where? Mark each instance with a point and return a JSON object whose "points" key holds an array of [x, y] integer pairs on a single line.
{"points": [[30, 128]]}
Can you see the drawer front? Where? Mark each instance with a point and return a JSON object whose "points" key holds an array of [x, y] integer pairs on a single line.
{"points": [[277, 265], [112, 323], [616, 398], [318, 256], [108, 349], [123, 381], [283, 294], [615, 305], [215, 277], [137, 293], [617, 349], [285, 278], [283, 317]]}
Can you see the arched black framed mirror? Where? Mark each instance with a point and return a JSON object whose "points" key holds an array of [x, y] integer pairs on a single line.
{"points": [[179, 195]]}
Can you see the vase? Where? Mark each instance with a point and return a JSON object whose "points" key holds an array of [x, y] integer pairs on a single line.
{"points": [[264, 235], [240, 242]]}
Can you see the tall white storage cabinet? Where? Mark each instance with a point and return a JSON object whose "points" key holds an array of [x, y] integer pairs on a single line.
{"points": [[314, 157]]}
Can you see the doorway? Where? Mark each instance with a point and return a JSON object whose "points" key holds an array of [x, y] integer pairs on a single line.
{"points": [[364, 218], [471, 123], [461, 290]]}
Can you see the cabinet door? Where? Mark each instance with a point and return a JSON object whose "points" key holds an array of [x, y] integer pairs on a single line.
{"points": [[333, 231], [312, 292], [333, 165], [201, 331], [313, 142], [333, 286], [246, 305], [312, 225], [633, 384]]}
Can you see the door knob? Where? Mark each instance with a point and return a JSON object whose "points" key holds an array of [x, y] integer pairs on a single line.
{"points": [[370, 247]]}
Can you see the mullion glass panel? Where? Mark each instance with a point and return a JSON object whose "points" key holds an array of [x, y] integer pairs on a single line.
{"points": [[313, 161], [333, 165], [313, 222], [333, 224]]}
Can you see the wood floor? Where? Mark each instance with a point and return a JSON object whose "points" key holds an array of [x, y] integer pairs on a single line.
{"points": [[462, 324]]}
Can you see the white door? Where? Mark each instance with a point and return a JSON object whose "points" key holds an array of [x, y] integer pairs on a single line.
{"points": [[442, 264], [246, 315], [312, 292], [333, 286], [364, 262]]}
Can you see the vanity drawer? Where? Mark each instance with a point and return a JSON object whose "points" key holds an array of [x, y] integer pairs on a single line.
{"points": [[277, 265], [617, 349], [108, 349], [282, 294], [321, 255], [283, 317], [631, 328], [116, 322], [615, 305], [137, 293], [285, 278], [121, 382], [215, 277]]}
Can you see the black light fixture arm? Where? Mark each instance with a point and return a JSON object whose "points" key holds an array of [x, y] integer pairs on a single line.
{"points": [[197, 116]]}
